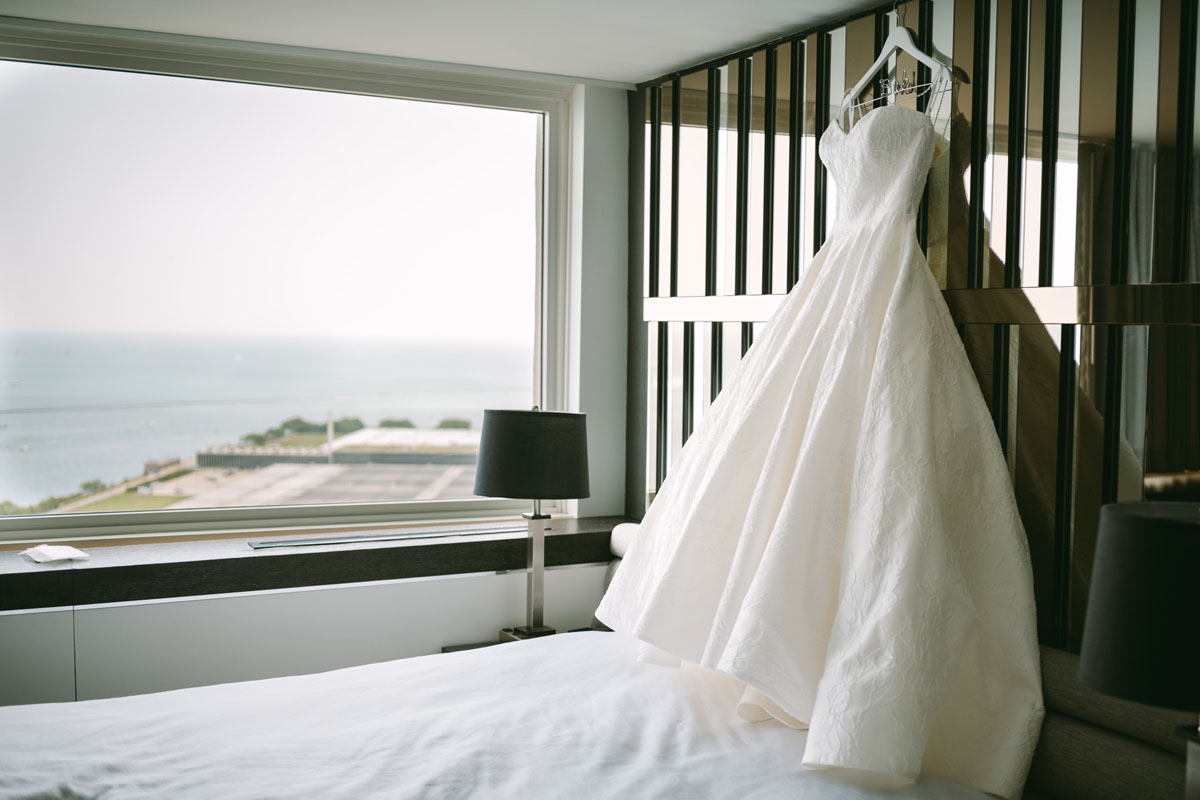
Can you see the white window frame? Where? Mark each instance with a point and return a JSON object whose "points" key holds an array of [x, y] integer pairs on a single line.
{"points": [[350, 73]]}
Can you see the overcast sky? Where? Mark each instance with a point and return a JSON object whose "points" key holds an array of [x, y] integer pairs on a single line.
{"points": [[139, 203]]}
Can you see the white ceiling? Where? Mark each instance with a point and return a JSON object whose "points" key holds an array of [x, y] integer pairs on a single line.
{"points": [[625, 41]]}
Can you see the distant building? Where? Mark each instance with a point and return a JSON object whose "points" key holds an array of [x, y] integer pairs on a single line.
{"points": [[364, 446], [159, 464]]}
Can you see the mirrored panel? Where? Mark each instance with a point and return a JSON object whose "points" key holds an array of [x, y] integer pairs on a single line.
{"points": [[903, 67], [1191, 266], [778, 177], [1098, 147], [1172, 439], [655, 452], [1035, 456], [945, 176], [858, 41], [693, 182], [649, 276], [810, 163], [756, 180], [961, 127], [1066, 167], [1038, 51], [1150, 144], [1093, 369], [727, 178], [837, 88], [731, 357], [690, 402], [676, 400], [1135, 342], [705, 334], [666, 176], [1001, 93]]}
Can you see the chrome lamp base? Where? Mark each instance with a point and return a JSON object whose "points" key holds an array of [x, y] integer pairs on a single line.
{"points": [[535, 580], [522, 632]]}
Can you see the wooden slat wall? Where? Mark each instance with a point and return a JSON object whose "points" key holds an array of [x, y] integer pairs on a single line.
{"points": [[1048, 182]]}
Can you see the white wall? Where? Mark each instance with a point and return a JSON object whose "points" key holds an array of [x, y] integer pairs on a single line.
{"points": [[599, 286], [133, 648]]}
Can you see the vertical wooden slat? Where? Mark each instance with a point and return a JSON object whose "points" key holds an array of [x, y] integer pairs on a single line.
{"points": [[882, 28], [1184, 142], [821, 122], [1000, 378], [1123, 143], [652, 258], [744, 122], [1064, 490], [924, 75], [662, 354], [742, 193], [689, 379], [771, 93], [662, 399], [1050, 106], [715, 360], [676, 103], [712, 164], [1018, 94], [1122, 179], [710, 249], [1114, 357], [977, 255]]}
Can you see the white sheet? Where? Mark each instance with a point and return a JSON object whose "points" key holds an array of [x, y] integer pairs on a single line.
{"points": [[569, 716]]}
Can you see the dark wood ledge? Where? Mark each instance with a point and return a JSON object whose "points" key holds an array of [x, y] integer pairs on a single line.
{"points": [[220, 566]]}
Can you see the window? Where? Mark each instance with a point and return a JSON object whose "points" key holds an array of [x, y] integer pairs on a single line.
{"points": [[236, 296]]}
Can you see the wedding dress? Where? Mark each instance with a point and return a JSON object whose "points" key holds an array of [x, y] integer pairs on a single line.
{"points": [[840, 532]]}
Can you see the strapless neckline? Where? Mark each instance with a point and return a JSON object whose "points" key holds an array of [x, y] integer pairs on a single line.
{"points": [[836, 123], [878, 167]]}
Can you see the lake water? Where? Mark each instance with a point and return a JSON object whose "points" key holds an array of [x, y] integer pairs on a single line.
{"points": [[81, 408]]}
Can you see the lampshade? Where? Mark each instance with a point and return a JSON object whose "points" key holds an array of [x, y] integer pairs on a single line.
{"points": [[1140, 637], [533, 455]]}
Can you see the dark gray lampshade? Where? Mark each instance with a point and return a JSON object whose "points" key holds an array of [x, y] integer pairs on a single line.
{"points": [[533, 455], [1141, 637]]}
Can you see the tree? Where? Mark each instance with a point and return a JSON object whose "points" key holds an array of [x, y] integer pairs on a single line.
{"points": [[347, 425], [93, 486], [454, 422], [396, 423]]}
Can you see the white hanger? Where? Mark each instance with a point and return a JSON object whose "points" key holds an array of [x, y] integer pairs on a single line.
{"points": [[900, 38]]}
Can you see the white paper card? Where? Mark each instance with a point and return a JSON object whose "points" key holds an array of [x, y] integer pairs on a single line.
{"points": [[54, 552]]}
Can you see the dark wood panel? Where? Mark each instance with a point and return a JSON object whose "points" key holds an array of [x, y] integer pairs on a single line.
{"points": [[35, 590]]}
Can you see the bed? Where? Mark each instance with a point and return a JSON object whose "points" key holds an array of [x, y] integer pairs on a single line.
{"points": [[572, 715]]}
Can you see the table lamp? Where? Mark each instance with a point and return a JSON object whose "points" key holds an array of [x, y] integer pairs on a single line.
{"points": [[533, 455], [1140, 636]]}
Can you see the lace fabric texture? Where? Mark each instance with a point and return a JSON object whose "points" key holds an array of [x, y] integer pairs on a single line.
{"points": [[840, 532]]}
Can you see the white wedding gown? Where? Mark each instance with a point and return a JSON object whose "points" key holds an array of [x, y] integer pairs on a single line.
{"points": [[840, 532]]}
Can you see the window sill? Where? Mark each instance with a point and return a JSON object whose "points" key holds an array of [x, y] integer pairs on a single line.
{"points": [[132, 573]]}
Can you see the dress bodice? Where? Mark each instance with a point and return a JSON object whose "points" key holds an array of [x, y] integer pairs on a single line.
{"points": [[879, 166]]}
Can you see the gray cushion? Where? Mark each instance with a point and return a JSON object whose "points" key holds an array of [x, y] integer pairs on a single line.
{"points": [[1095, 746]]}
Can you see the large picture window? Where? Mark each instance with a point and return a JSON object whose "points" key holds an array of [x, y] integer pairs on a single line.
{"points": [[221, 294]]}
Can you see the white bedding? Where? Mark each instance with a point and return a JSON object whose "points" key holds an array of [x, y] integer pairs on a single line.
{"points": [[568, 716]]}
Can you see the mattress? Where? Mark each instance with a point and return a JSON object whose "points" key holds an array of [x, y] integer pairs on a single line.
{"points": [[574, 715]]}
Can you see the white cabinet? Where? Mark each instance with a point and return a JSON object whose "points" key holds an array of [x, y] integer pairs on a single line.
{"points": [[152, 646], [37, 658]]}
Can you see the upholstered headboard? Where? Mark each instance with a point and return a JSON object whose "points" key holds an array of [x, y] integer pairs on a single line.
{"points": [[1097, 747]]}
